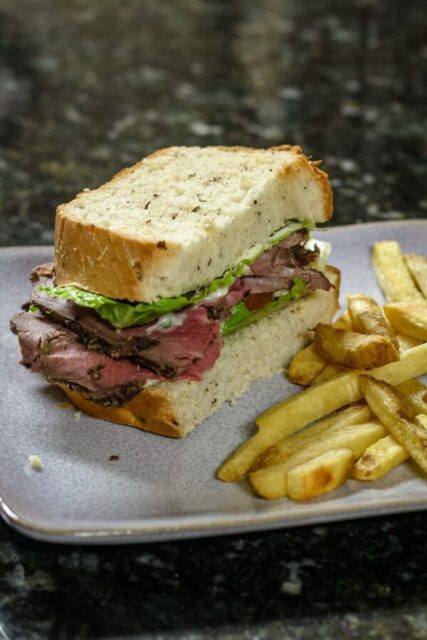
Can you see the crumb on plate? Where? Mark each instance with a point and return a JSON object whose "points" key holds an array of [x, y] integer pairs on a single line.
{"points": [[35, 462]]}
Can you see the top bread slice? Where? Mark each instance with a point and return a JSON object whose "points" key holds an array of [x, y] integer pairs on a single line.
{"points": [[182, 216]]}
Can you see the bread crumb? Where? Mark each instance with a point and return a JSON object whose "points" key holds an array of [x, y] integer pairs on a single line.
{"points": [[77, 415], [35, 462]]}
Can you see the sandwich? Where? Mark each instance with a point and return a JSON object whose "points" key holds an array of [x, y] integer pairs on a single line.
{"points": [[180, 282]]}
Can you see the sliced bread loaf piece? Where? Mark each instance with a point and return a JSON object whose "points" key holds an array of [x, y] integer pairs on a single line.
{"points": [[258, 351], [180, 217]]}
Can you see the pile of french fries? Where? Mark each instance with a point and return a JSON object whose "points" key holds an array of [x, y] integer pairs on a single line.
{"points": [[363, 411]]}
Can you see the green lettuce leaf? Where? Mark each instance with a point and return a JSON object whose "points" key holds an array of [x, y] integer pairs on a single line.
{"points": [[241, 316], [125, 314]]}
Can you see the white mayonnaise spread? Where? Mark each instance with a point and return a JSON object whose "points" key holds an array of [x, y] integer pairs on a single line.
{"points": [[215, 295], [324, 251], [168, 321]]}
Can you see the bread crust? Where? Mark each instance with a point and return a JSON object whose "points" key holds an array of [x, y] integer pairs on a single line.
{"points": [[153, 409], [321, 177], [127, 258], [119, 266], [149, 410]]}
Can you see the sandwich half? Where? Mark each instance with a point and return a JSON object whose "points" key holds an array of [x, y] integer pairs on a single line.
{"points": [[180, 282]]}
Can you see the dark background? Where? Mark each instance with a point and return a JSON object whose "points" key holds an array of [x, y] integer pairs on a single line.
{"points": [[87, 87]]}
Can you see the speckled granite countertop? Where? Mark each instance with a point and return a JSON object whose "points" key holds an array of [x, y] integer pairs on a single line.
{"points": [[366, 579], [88, 87]]}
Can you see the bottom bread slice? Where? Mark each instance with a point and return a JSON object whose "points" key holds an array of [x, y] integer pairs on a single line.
{"points": [[258, 351]]}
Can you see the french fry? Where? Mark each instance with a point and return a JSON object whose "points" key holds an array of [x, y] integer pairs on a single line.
{"points": [[343, 322], [320, 475], [331, 371], [392, 273], [416, 394], [418, 402], [353, 414], [410, 387], [354, 350], [271, 482], [417, 266], [308, 363], [406, 342], [367, 317], [409, 318], [313, 403], [391, 408], [379, 459]]}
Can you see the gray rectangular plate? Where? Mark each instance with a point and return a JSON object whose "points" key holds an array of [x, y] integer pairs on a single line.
{"points": [[161, 488]]}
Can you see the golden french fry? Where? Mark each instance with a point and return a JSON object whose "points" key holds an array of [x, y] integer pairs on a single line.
{"points": [[423, 419], [320, 475], [417, 266], [343, 322], [367, 317], [418, 402], [331, 371], [409, 318], [271, 482], [410, 386], [308, 363], [391, 407], [392, 272], [379, 459], [313, 403], [416, 394], [354, 350], [353, 414], [406, 342]]}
